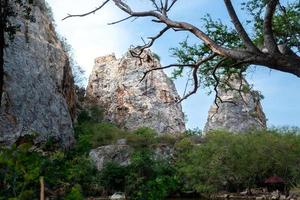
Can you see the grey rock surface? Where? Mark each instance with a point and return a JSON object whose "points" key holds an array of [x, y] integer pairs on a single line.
{"points": [[121, 154], [239, 111], [111, 153], [38, 95], [129, 101]]}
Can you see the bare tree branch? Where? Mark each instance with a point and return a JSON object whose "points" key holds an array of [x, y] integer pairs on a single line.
{"points": [[173, 24], [251, 55], [88, 13], [239, 27], [172, 4], [152, 40], [196, 66], [217, 97], [121, 20], [164, 67]]}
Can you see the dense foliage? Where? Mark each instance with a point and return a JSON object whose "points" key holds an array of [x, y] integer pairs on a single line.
{"points": [[218, 161], [71, 174], [233, 162]]}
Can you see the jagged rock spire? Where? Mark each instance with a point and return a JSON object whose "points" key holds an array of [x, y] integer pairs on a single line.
{"points": [[240, 109], [129, 101]]}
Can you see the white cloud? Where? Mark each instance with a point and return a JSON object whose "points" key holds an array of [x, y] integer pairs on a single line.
{"points": [[90, 36]]}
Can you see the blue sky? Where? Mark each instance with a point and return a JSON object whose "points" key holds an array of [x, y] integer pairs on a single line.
{"points": [[91, 37]]}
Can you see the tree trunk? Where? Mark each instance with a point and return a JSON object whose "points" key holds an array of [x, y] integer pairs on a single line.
{"points": [[42, 188]]}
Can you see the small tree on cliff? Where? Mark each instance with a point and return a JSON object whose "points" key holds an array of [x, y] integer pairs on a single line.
{"points": [[223, 50], [8, 10]]}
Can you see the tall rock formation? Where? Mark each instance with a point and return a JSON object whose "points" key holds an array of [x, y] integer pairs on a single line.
{"points": [[129, 101], [238, 111], [38, 95]]}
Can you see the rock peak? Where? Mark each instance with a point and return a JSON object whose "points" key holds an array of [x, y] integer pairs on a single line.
{"points": [[240, 109], [129, 101], [105, 59]]}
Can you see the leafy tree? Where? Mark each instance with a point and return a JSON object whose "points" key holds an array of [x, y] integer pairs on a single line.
{"points": [[75, 194], [113, 177], [222, 49], [148, 178], [237, 161]]}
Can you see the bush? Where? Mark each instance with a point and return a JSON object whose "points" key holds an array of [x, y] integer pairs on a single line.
{"points": [[238, 161], [113, 177], [141, 138], [75, 193], [93, 114], [19, 172], [22, 166], [92, 135], [149, 179], [167, 139]]}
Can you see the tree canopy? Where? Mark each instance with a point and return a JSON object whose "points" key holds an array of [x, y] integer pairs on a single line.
{"points": [[225, 49]]}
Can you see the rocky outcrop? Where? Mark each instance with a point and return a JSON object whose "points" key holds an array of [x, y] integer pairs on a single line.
{"points": [[121, 153], [129, 101], [38, 95], [111, 153], [239, 111]]}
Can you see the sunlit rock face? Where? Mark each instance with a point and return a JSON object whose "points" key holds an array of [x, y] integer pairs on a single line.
{"points": [[129, 101], [38, 93], [239, 111]]}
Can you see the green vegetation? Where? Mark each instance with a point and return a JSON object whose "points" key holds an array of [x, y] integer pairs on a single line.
{"points": [[234, 162], [21, 167], [220, 161], [144, 178]]}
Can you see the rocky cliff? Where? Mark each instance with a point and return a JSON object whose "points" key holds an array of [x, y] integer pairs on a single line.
{"points": [[38, 95], [239, 111], [129, 101]]}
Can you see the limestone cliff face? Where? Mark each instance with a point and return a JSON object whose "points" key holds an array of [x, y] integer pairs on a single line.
{"points": [[116, 85], [239, 112], [39, 92]]}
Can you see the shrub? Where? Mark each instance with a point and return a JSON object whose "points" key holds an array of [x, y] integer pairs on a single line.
{"points": [[141, 138], [149, 179], [75, 193], [167, 139], [92, 135], [19, 172], [236, 161], [93, 114], [113, 177], [22, 166]]}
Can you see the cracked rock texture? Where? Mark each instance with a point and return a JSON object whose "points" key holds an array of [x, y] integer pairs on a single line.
{"points": [[38, 93], [115, 84], [239, 111]]}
